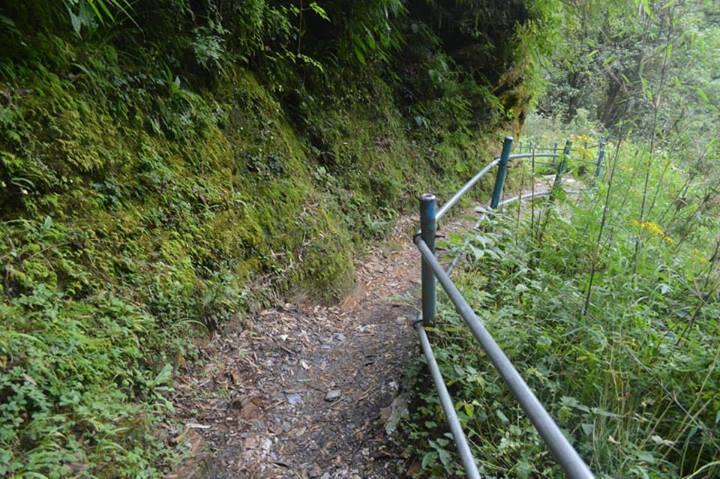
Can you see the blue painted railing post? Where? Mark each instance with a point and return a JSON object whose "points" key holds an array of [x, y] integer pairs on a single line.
{"points": [[501, 173], [428, 227], [600, 158], [562, 165]]}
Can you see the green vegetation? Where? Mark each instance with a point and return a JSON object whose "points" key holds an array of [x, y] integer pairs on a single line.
{"points": [[607, 302], [168, 165], [633, 378]]}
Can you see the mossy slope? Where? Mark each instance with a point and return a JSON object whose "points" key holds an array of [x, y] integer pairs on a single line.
{"points": [[140, 209]]}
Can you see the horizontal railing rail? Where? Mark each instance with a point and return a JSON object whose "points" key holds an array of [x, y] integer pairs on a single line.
{"points": [[465, 188], [432, 271], [517, 156], [560, 447]]}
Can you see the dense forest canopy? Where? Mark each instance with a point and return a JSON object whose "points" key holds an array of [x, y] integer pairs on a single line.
{"points": [[645, 66]]}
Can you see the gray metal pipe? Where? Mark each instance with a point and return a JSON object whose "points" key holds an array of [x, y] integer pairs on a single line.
{"points": [[537, 194], [446, 402], [456, 197], [517, 156], [562, 450]]}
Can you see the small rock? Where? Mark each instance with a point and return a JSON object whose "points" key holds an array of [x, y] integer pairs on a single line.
{"points": [[315, 471], [392, 414], [248, 409], [294, 398], [333, 395], [266, 446]]}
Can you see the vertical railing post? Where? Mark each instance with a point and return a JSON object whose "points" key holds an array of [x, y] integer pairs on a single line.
{"points": [[501, 173], [562, 164], [600, 158], [554, 158], [428, 227]]}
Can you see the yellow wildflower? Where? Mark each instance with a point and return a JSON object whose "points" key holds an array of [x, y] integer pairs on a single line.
{"points": [[579, 142], [654, 229]]}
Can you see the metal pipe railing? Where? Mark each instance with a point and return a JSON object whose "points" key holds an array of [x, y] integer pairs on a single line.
{"points": [[517, 156], [536, 194], [466, 187], [428, 230], [559, 446], [461, 443], [501, 172]]}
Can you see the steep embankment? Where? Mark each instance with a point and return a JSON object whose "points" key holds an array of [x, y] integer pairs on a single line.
{"points": [[172, 169]]}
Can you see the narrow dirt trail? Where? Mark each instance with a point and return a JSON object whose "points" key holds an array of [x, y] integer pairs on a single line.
{"points": [[308, 391]]}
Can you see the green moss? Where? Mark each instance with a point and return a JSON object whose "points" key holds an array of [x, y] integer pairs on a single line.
{"points": [[141, 216]]}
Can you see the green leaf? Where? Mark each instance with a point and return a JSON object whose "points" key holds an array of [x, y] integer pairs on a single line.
{"points": [[501, 415], [370, 39], [164, 376], [320, 11], [359, 54], [428, 459], [524, 468], [444, 457], [703, 96], [75, 21]]}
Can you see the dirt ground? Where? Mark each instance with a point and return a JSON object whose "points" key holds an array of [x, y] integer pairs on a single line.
{"points": [[311, 391]]}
